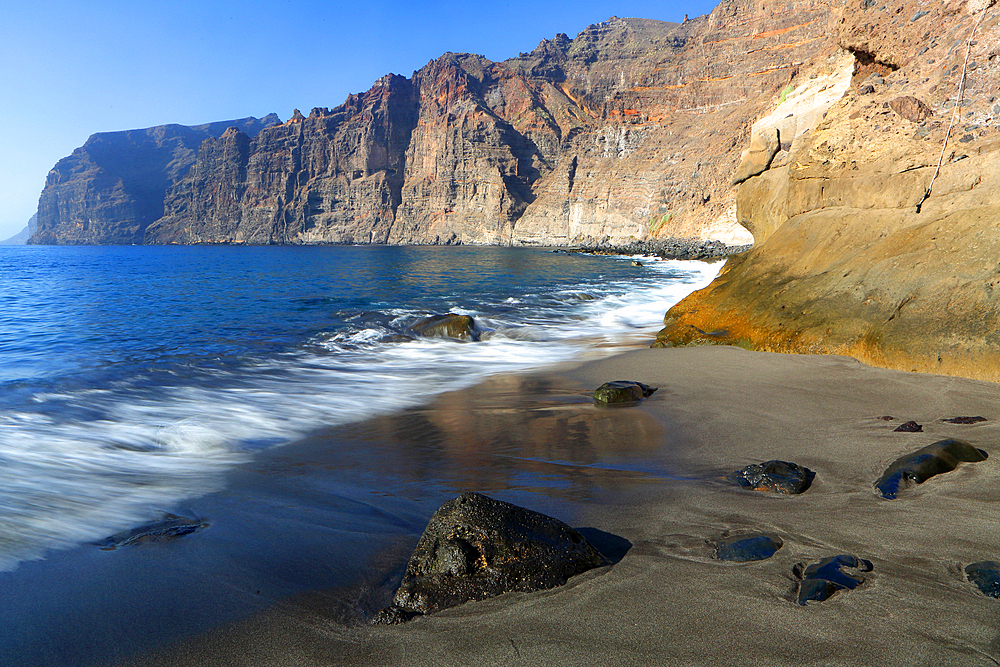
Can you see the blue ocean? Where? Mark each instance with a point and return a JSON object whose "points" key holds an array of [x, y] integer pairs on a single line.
{"points": [[135, 378]]}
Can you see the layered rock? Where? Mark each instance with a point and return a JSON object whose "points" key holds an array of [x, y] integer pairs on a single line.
{"points": [[631, 130], [670, 117], [111, 188], [856, 251]]}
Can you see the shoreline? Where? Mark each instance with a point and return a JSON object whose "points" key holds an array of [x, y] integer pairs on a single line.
{"points": [[667, 248], [717, 409]]}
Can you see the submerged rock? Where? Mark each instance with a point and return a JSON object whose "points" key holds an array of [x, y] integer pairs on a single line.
{"points": [[461, 327], [475, 547], [821, 580], [921, 465], [169, 526], [909, 427], [986, 576], [622, 391], [964, 420], [774, 476], [745, 548]]}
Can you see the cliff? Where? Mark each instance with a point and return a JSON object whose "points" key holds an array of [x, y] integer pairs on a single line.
{"points": [[628, 131], [631, 130], [111, 188], [876, 231]]}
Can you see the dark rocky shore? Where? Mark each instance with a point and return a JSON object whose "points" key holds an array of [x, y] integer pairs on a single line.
{"points": [[668, 249]]}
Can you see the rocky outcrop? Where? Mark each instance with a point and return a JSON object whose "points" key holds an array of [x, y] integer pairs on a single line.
{"points": [[111, 188], [876, 234]]}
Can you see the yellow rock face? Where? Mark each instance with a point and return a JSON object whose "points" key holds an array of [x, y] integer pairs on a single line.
{"points": [[844, 263]]}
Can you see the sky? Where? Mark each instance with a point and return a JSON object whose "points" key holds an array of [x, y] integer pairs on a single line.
{"points": [[69, 69]]}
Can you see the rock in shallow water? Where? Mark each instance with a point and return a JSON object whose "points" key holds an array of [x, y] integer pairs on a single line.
{"points": [[921, 465], [745, 548], [986, 576], [475, 547], [821, 580], [461, 327], [622, 391], [773, 476], [169, 526]]}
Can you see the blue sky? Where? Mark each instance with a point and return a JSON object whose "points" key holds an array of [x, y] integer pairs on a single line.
{"points": [[69, 68]]}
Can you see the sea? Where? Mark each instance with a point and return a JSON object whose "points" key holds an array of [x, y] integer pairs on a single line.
{"points": [[134, 378]]}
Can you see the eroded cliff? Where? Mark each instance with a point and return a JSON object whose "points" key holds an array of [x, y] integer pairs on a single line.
{"points": [[111, 188], [876, 233], [630, 130]]}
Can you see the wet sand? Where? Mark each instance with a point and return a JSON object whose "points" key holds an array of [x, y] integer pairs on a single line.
{"points": [[323, 528]]}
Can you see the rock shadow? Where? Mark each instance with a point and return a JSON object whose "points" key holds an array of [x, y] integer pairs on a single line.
{"points": [[613, 547]]}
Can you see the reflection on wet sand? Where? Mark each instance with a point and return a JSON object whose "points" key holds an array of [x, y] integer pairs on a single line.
{"points": [[536, 433]]}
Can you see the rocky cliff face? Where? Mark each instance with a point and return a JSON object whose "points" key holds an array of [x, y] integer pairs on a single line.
{"points": [[876, 232], [631, 130], [111, 188]]}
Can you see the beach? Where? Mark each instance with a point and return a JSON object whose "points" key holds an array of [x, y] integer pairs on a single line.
{"points": [[655, 510]]}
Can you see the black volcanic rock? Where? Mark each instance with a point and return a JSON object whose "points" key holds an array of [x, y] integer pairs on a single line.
{"points": [[821, 580], [909, 427], [746, 548], [774, 476], [111, 188], [986, 576], [475, 547], [916, 468]]}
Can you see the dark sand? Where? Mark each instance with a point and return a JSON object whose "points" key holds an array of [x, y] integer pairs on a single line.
{"points": [[303, 526]]}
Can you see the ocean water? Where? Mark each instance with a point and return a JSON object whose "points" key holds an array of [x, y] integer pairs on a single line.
{"points": [[133, 378]]}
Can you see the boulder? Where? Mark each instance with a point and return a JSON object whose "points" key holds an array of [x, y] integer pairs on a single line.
{"points": [[773, 476], [916, 468], [745, 548], [475, 547], [622, 392], [461, 327], [821, 580]]}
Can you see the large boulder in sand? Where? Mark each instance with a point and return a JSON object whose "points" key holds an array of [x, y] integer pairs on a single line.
{"points": [[916, 468], [475, 547]]}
